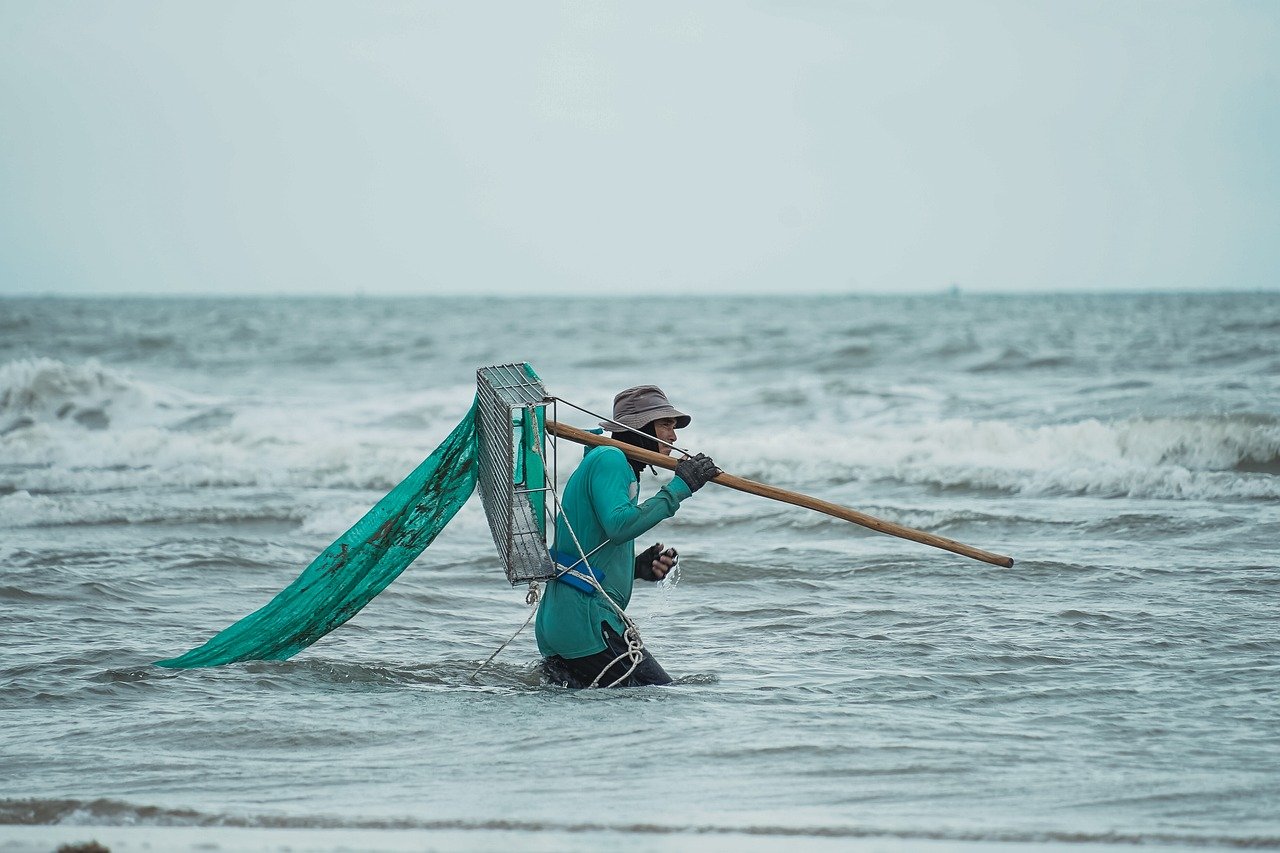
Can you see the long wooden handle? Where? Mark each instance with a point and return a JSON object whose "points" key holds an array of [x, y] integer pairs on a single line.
{"points": [[795, 498]]}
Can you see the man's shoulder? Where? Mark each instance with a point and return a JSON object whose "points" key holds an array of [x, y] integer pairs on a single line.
{"points": [[606, 458]]}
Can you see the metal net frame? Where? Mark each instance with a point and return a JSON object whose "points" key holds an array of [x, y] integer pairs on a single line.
{"points": [[511, 417]]}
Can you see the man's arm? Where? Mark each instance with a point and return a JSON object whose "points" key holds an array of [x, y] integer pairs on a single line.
{"points": [[610, 488]]}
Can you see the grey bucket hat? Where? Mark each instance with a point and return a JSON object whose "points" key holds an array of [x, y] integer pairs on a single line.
{"points": [[640, 405]]}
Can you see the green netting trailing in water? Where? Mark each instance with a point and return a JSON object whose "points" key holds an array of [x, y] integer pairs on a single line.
{"points": [[358, 566]]}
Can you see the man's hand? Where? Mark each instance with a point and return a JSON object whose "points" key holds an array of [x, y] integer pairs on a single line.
{"points": [[696, 471], [654, 563]]}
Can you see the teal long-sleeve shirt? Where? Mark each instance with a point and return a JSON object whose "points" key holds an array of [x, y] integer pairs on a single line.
{"points": [[600, 502]]}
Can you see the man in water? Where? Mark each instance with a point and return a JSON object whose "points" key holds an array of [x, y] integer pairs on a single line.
{"points": [[583, 638]]}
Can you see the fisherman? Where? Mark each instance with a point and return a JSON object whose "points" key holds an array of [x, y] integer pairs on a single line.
{"points": [[583, 639]]}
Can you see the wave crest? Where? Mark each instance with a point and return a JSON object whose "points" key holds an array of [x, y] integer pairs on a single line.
{"points": [[1202, 457], [46, 391]]}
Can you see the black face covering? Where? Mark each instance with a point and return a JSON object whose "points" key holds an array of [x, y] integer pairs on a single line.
{"points": [[648, 441]]}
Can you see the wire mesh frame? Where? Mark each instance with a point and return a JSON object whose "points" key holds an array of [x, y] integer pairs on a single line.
{"points": [[512, 476]]}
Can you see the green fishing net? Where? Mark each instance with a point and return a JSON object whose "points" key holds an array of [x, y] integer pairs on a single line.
{"points": [[358, 566]]}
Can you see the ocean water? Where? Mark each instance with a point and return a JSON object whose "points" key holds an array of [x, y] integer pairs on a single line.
{"points": [[167, 465]]}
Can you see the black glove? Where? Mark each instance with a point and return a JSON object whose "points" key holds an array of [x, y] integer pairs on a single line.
{"points": [[646, 559], [696, 471]]}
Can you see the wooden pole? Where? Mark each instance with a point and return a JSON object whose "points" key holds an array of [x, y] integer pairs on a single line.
{"points": [[795, 498]]}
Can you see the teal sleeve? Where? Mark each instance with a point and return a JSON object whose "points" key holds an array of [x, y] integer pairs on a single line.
{"points": [[680, 489], [622, 520]]}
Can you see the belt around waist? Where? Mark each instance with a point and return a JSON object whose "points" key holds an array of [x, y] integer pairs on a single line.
{"points": [[573, 565]]}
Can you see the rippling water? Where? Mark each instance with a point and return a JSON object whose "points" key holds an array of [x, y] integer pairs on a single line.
{"points": [[168, 465]]}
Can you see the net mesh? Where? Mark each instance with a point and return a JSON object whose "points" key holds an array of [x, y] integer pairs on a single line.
{"points": [[511, 435], [356, 567]]}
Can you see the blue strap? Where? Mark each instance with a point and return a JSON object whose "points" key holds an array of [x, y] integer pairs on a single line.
{"points": [[577, 565]]}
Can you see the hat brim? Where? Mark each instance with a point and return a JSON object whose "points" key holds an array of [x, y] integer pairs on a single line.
{"points": [[638, 420]]}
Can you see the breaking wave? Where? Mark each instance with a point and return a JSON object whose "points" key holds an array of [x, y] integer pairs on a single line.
{"points": [[43, 391], [83, 443], [1191, 458], [86, 429]]}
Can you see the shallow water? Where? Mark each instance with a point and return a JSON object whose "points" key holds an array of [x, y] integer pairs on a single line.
{"points": [[168, 465]]}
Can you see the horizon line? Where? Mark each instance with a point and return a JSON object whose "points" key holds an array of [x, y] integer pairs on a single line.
{"points": [[944, 293]]}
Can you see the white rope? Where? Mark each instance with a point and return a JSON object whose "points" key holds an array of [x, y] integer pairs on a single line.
{"points": [[530, 598], [635, 651]]}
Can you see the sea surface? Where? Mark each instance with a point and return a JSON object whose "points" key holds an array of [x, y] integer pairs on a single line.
{"points": [[167, 465]]}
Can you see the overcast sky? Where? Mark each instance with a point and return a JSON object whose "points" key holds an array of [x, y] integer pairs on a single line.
{"points": [[526, 147]]}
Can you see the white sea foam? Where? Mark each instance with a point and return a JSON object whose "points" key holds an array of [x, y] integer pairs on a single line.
{"points": [[142, 436], [1172, 458], [73, 431], [89, 395]]}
